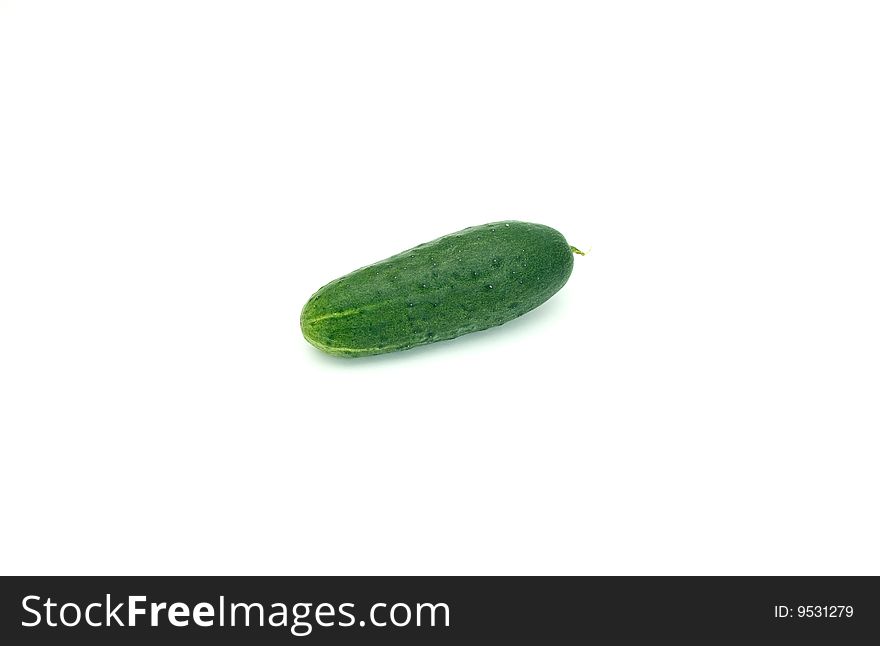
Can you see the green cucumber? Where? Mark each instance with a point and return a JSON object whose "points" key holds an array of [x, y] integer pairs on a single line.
{"points": [[463, 282]]}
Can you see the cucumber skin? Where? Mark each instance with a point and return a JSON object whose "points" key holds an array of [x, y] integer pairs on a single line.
{"points": [[464, 282]]}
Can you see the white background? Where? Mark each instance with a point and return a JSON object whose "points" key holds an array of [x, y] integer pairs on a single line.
{"points": [[178, 178]]}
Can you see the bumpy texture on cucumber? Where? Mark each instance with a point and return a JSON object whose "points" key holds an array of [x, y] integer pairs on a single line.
{"points": [[463, 282]]}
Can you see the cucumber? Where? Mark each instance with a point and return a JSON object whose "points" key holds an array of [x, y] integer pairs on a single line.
{"points": [[463, 282]]}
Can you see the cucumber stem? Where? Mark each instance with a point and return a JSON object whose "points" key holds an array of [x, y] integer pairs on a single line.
{"points": [[579, 252]]}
